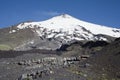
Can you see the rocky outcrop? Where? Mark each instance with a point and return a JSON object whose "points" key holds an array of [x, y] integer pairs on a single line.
{"points": [[43, 67]]}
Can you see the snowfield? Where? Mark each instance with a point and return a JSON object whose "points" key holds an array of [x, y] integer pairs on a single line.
{"points": [[72, 28]]}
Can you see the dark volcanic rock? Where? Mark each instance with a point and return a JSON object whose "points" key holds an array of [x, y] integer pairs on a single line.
{"points": [[107, 61], [91, 44]]}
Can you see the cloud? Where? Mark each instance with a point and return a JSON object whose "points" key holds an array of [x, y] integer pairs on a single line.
{"points": [[50, 13], [43, 15]]}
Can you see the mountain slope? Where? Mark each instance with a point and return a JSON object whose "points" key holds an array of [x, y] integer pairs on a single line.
{"points": [[68, 23], [52, 33], [12, 40], [107, 61]]}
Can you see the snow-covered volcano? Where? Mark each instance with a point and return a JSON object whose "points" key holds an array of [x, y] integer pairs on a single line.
{"points": [[65, 28], [69, 24]]}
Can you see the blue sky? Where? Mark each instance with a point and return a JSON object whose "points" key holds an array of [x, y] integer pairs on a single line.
{"points": [[103, 12]]}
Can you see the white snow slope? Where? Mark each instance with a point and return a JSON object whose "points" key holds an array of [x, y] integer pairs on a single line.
{"points": [[69, 28]]}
